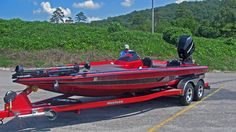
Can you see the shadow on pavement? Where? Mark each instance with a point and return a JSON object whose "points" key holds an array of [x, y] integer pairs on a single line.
{"points": [[88, 116]]}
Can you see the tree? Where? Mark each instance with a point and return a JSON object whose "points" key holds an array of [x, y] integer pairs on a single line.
{"points": [[208, 31], [57, 16], [80, 17], [183, 12], [69, 20], [188, 23], [225, 19]]}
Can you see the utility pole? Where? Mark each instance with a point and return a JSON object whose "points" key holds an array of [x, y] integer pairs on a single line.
{"points": [[153, 21]]}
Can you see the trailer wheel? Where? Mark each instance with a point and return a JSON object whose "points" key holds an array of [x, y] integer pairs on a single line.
{"points": [[187, 98], [198, 91]]}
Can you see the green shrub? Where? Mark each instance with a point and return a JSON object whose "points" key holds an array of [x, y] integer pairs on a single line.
{"points": [[172, 34], [114, 27], [208, 32], [230, 41]]}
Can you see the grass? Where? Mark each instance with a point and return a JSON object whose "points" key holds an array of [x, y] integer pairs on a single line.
{"points": [[5, 62], [37, 44]]}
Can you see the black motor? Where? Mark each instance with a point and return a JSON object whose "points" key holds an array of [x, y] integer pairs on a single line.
{"points": [[186, 48]]}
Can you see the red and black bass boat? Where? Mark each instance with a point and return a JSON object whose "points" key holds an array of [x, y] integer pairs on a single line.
{"points": [[128, 74]]}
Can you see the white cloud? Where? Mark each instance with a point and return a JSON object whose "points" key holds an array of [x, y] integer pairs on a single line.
{"points": [[127, 3], [180, 1], [87, 4], [46, 8], [90, 19]]}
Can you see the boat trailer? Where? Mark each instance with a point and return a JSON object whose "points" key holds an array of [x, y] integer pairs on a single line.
{"points": [[17, 104]]}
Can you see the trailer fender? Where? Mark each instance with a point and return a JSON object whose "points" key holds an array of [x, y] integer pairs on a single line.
{"points": [[183, 83]]}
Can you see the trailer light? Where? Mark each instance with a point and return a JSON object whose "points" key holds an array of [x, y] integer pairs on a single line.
{"points": [[7, 107]]}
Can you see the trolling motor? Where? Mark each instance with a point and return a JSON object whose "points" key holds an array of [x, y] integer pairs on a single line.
{"points": [[57, 71]]}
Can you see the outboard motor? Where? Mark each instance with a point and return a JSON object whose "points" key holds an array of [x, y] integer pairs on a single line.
{"points": [[186, 48]]}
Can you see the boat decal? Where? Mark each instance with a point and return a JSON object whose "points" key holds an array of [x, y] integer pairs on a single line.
{"points": [[115, 102], [133, 81]]}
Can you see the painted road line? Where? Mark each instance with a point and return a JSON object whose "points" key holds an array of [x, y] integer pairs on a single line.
{"points": [[181, 112]]}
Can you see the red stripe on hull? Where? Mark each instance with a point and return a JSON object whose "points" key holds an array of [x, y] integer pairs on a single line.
{"points": [[67, 84]]}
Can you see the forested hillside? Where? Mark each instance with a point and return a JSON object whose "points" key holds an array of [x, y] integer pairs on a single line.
{"points": [[210, 18], [46, 44]]}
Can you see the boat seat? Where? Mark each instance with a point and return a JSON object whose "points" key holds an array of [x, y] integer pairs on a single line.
{"points": [[147, 61], [173, 63]]}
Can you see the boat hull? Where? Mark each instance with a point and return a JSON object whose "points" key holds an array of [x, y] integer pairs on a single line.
{"points": [[110, 83]]}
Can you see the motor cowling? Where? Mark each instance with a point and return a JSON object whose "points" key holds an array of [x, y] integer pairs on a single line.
{"points": [[186, 47]]}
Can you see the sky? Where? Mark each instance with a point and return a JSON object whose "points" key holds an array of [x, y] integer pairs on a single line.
{"points": [[41, 10]]}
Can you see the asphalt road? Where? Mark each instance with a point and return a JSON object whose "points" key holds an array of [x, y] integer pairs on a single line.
{"points": [[216, 113]]}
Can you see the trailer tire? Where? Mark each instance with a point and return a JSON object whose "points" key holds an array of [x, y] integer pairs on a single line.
{"points": [[187, 98], [199, 91], [51, 115]]}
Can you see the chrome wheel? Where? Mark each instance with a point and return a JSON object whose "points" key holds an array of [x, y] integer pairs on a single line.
{"points": [[51, 115], [198, 91], [189, 95]]}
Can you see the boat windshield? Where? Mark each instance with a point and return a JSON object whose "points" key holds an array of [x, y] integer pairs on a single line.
{"points": [[130, 56]]}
